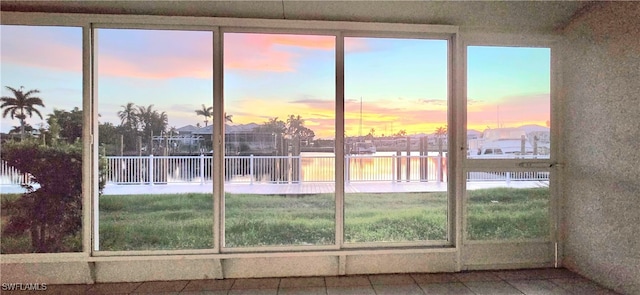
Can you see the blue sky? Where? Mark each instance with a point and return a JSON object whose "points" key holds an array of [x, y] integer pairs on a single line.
{"points": [[402, 83], [510, 84]]}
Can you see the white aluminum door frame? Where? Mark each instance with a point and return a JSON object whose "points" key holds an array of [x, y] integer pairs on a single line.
{"points": [[513, 253]]}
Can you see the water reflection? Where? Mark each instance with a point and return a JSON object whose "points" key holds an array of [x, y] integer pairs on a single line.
{"points": [[381, 166]]}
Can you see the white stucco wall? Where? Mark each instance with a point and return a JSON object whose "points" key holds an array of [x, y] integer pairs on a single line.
{"points": [[601, 143]]}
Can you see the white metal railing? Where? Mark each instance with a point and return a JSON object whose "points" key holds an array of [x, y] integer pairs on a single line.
{"points": [[509, 156], [278, 169], [158, 169], [273, 169], [293, 169], [9, 175], [509, 176]]}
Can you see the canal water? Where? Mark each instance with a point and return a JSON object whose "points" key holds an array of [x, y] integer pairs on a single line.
{"points": [[381, 166]]}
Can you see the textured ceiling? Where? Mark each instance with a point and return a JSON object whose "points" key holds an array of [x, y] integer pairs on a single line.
{"points": [[514, 15]]}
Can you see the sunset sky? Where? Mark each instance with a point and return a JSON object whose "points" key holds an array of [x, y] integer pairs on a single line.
{"points": [[402, 83]]}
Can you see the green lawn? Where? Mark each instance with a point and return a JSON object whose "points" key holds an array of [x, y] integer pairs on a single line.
{"points": [[184, 221], [149, 222], [256, 220], [395, 217], [507, 213]]}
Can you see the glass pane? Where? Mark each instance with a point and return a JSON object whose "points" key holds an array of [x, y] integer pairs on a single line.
{"points": [[507, 205], [395, 140], [279, 95], [508, 102], [41, 165], [155, 93]]}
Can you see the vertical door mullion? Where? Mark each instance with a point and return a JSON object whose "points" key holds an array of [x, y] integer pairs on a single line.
{"points": [[457, 113], [90, 91], [339, 142], [557, 156], [90, 174], [218, 141]]}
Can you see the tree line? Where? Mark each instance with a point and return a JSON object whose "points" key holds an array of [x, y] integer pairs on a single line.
{"points": [[138, 123], [292, 127]]}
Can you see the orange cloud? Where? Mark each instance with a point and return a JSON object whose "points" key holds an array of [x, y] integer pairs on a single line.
{"points": [[412, 121], [390, 116], [321, 119], [319, 115]]}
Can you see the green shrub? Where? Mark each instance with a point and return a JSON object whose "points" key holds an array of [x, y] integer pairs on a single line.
{"points": [[52, 214]]}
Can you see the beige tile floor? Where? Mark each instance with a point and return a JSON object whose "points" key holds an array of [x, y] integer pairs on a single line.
{"points": [[534, 281]]}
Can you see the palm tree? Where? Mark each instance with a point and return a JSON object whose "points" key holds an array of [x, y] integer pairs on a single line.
{"points": [[294, 125], [228, 118], [273, 125], [21, 105], [173, 131], [206, 112], [145, 116], [128, 116], [18, 129], [159, 122], [441, 131], [401, 133], [151, 121]]}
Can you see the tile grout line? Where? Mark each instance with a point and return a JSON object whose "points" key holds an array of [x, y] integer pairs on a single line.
{"points": [[509, 284], [504, 280], [326, 290], [185, 286], [136, 288], [559, 286], [278, 287], [416, 283], [231, 287]]}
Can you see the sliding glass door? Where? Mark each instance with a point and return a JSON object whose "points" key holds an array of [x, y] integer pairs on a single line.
{"points": [[154, 93], [396, 102], [279, 137], [509, 171]]}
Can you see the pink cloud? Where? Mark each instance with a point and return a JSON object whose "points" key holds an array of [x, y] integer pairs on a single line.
{"points": [[38, 47], [305, 41], [160, 68], [356, 45], [156, 54], [512, 112], [161, 54], [267, 52]]}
